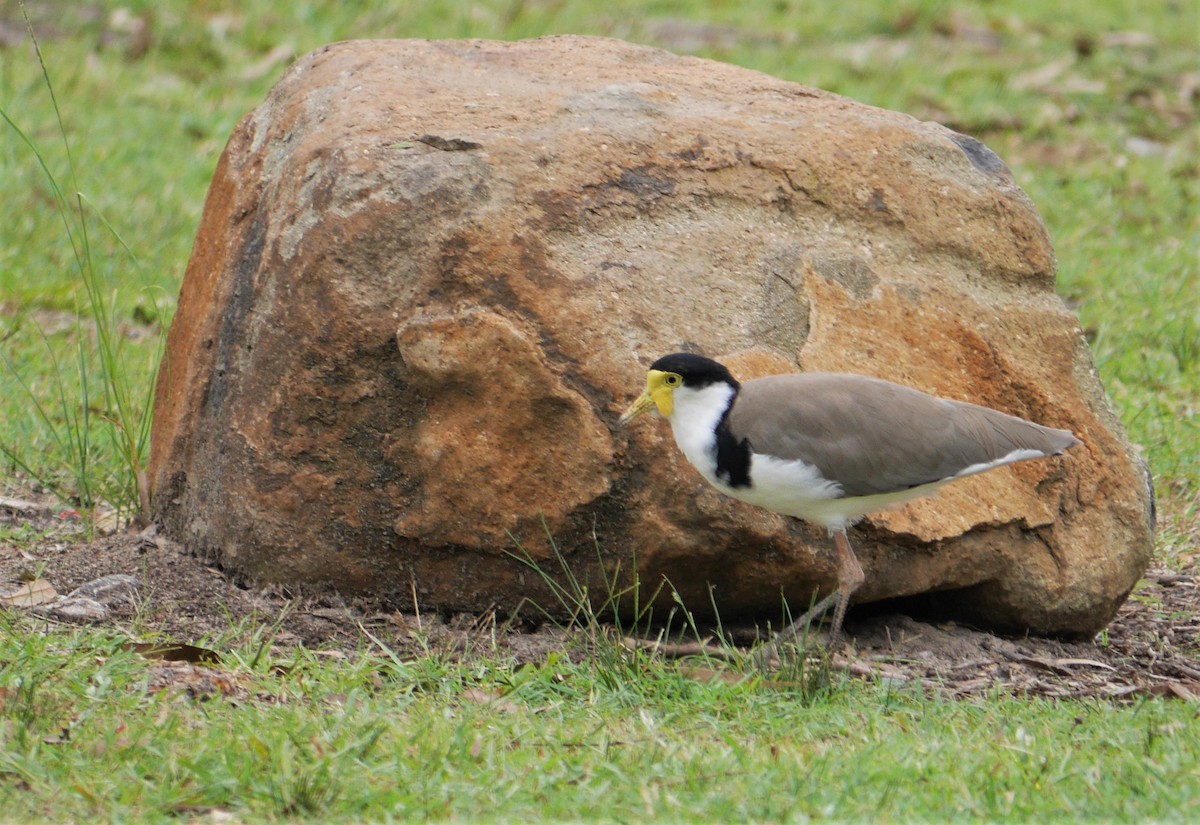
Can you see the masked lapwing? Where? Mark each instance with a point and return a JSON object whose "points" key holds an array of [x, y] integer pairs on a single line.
{"points": [[830, 448]]}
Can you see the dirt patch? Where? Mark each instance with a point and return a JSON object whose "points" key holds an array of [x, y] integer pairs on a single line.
{"points": [[181, 598], [1151, 648]]}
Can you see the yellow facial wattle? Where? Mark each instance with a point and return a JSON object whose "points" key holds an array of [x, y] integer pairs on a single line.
{"points": [[659, 393]]}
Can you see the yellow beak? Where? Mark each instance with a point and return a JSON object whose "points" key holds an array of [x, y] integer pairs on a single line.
{"points": [[643, 404], [658, 394]]}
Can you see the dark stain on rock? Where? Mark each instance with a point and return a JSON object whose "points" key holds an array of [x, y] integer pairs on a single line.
{"points": [[848, 271], [558, 211], [232, 336], [694, 153], [981, 157], [784, 313], [448, 144], [644, 185]]}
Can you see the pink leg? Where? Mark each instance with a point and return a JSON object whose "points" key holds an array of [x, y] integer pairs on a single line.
{"points": [[849, 576]]}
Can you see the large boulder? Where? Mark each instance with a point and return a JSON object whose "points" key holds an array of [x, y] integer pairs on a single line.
{"points": [[430, 275]]}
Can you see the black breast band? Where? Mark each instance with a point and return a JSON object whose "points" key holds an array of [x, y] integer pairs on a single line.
{"points": [[733, 456]]}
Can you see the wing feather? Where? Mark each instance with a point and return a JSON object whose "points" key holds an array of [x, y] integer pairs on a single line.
{"points": [[872, 436]]}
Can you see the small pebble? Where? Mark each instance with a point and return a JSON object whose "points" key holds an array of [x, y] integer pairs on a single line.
{"points": [[75, 609], [109, 589]]}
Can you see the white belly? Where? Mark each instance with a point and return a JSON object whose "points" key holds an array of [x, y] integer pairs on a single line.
{"points": [[799, 490]]}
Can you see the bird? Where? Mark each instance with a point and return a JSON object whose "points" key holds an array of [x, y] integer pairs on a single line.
{"points": [[830, 448]]}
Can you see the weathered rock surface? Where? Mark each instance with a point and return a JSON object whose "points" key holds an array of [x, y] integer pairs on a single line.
{"points": [[430, 275]]}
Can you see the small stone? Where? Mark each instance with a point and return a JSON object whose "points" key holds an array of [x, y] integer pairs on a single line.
{"points": [[20, 506], [75, 609], [109, 589]]}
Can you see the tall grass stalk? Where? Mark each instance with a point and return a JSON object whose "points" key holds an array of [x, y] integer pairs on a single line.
{"points": [[104, 398], [588, 608], [801, 662]]}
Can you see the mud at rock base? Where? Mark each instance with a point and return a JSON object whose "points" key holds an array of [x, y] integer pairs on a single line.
{"points": [[1152, 648]]}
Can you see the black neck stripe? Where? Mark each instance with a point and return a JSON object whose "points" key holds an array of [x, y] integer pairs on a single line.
{"points": [[733, 456]]}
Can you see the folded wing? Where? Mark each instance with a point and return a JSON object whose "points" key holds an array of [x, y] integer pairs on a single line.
{"points": [[872, 436]]}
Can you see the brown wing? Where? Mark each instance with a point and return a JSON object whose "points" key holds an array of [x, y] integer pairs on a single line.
{"points": [[873, 436]]}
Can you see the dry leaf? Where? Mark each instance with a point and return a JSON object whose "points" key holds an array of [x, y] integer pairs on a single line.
{"points": [[30, 594], [478, 696], [705, 676], [681, 650], [277, 56], [1176, 690], [63, 737], [108, 522], [176, 653], [1084, 663], [1041, 78]]}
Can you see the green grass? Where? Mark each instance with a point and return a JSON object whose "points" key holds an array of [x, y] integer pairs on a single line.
{"points": [[86, 732], [1093, 105]]}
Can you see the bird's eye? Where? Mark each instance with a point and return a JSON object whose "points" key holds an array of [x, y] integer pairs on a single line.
{"points": [[673, 380]]}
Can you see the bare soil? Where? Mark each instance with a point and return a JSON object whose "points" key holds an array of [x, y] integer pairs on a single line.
{"points": [[1152, 647]]}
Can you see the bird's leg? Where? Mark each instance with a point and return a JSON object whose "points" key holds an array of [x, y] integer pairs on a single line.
{"points": [[814, 612], [850, 578], [800, 625]]}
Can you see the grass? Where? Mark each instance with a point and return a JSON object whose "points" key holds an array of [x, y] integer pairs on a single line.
{"points": [[121, 409], [1093, 105], [85, 733]]}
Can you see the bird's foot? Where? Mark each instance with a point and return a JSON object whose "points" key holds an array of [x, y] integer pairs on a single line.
{"points": [[801, 627]]}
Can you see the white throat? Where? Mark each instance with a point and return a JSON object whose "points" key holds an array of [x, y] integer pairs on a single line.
{"points": [[694, 417]]}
